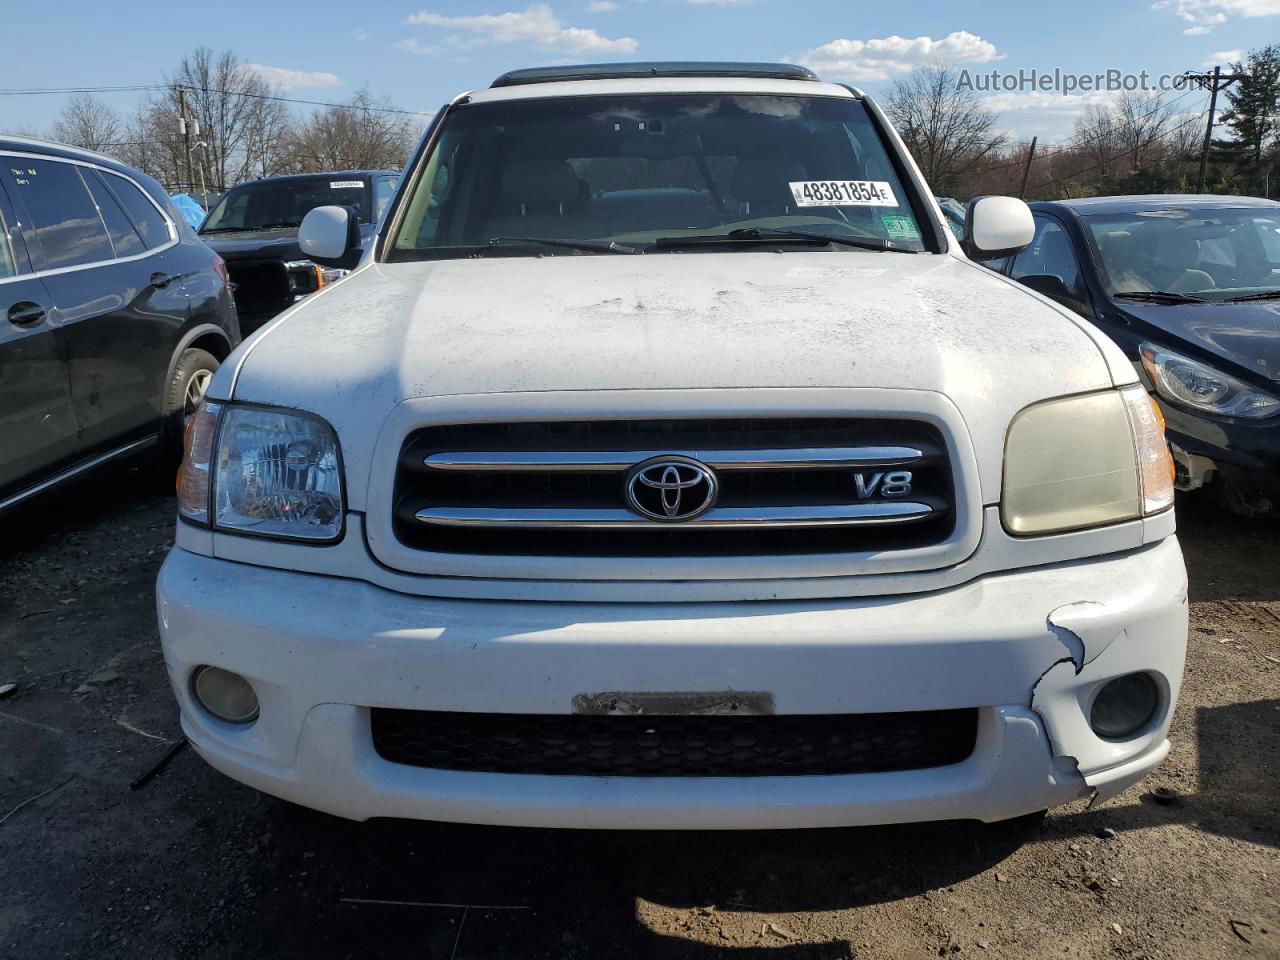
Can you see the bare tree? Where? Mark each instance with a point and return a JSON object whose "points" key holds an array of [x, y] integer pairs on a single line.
{"points": [[1132, 132], [1096, 137], [946, 129], [242, 127], [363, 134], [87, 122]]}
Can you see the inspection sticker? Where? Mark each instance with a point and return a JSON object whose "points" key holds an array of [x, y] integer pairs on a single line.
{"points": [[342, 184], [900, 228], [842, 193]]}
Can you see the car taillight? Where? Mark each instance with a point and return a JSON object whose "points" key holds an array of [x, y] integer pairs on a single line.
{"points": [[220, 268]]}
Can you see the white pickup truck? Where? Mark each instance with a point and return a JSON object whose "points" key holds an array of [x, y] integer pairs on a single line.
{"points": [[666, 463]]}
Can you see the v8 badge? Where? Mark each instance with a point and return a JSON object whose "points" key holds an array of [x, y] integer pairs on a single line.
{"points": [[896, 483]]}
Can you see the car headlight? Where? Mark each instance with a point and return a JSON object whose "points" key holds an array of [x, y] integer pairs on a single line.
{"points": [[1085, 461], [1200, 386], [306, 277], [262, 471]]}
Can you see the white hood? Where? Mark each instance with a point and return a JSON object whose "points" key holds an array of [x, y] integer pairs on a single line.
{"points": [[394, 331]]}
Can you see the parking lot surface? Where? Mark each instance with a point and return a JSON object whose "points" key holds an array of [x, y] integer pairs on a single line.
{"points": [[193, 865]]}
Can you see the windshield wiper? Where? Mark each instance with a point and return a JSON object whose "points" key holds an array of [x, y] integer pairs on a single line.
{"points": [[226, 230], [1265, 295], [773, 234], [591, 246], [1159, 296]]}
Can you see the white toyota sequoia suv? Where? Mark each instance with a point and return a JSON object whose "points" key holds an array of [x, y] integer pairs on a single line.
{"points": [[665, 462]]}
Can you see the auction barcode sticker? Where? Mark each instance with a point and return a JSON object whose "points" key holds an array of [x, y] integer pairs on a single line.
{"points": [[342, 184], [842, 193]]}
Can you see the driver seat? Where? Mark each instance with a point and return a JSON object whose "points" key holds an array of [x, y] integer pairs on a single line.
{"points": [[542, 198]]}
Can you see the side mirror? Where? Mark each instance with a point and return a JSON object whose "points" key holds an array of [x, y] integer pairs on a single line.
{"points": [[1053, 288], [331, 236], [997, 227]]}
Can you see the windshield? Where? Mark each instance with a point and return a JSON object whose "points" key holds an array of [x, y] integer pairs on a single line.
{"points": [[272, 204], [639, 169], [1211, 254]]}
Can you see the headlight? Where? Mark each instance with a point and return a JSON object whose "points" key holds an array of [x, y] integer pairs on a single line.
{"points": [[270, 473], [306, 277], [1085, 461], [1200, 386]]}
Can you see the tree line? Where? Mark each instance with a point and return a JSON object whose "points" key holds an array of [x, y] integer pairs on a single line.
{"points": [[239, 127], [1131, 143]]}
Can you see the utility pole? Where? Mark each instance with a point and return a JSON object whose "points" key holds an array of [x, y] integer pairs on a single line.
{"points": [[1026, 171], [1213, 82], [186, 135]]}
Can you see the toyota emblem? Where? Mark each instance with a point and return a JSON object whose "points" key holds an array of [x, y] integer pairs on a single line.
{"points": [[671, 489]]}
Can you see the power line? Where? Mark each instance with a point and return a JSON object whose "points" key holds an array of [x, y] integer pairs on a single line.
{"points": [[138, 88], [42, 91], [1103, 164], [1058, 149], [1052, 149]]}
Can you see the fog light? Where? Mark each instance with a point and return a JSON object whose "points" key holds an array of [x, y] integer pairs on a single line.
{"points": [[226, 695], [1124, 706]]}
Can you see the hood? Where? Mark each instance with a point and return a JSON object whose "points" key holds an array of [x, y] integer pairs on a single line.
{"points": [[255, 243], [393, 331], [1247, 334], [244, 244]]}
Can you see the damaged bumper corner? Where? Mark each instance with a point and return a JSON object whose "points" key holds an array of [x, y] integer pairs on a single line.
{"points": [[1103, 642]]}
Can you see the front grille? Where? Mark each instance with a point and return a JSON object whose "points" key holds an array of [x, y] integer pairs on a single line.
{"points": [[675, 746], [785, 486], [261, 286]]}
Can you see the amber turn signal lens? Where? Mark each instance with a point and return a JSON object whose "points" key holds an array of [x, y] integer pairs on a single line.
{"points": [[197, 451]]}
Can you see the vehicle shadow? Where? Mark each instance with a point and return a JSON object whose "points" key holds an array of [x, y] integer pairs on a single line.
{"points": [[1228, 557], [393, 888], [86, 506], [399, 887]]}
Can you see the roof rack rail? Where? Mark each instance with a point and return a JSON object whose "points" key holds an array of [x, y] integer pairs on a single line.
{"points": [[622, 71]]}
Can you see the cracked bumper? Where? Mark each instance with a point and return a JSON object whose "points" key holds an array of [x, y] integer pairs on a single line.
{"points": [[1029, 649]]}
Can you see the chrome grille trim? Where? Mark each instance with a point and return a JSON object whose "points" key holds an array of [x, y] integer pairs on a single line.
{"points": [[816, 458], [720, 518], [795, 486]]}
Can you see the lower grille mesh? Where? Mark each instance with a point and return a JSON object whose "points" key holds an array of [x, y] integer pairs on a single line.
{"points": [[675, 746]]}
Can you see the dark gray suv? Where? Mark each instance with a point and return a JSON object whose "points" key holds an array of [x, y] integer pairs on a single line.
{"points": [[113, 315]]}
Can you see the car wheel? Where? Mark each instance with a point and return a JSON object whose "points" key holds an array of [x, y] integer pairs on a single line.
{"points": [[187, 387]]}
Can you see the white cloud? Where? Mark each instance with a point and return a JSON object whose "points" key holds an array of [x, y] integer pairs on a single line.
{"points": [[536, 25], [720, 3], [416, 46], [1040, 102], [287, 79], [1223, 57], [1204, 15], [864, 61], [601, 6], [361, 34]]}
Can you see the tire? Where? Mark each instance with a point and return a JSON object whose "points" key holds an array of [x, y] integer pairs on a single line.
{"points": [[183, 393]]}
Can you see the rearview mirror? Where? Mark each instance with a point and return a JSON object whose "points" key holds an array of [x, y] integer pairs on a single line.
{"points": [[996, 227], [331, 236]]}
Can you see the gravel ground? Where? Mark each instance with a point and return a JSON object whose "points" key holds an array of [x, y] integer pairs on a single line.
{"points": [[194, 865]]}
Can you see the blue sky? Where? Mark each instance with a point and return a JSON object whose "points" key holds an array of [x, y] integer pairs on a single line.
{"points": [[420, 53]]}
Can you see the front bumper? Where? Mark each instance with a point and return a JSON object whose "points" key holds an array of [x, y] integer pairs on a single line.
{"points": [[1028, 648], [1243, 453]]}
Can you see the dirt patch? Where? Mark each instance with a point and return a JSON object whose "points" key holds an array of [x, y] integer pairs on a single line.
{"points": [[195, 865]]}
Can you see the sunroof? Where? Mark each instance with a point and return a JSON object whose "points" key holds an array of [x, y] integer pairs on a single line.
{"points": [[619, 71]]}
